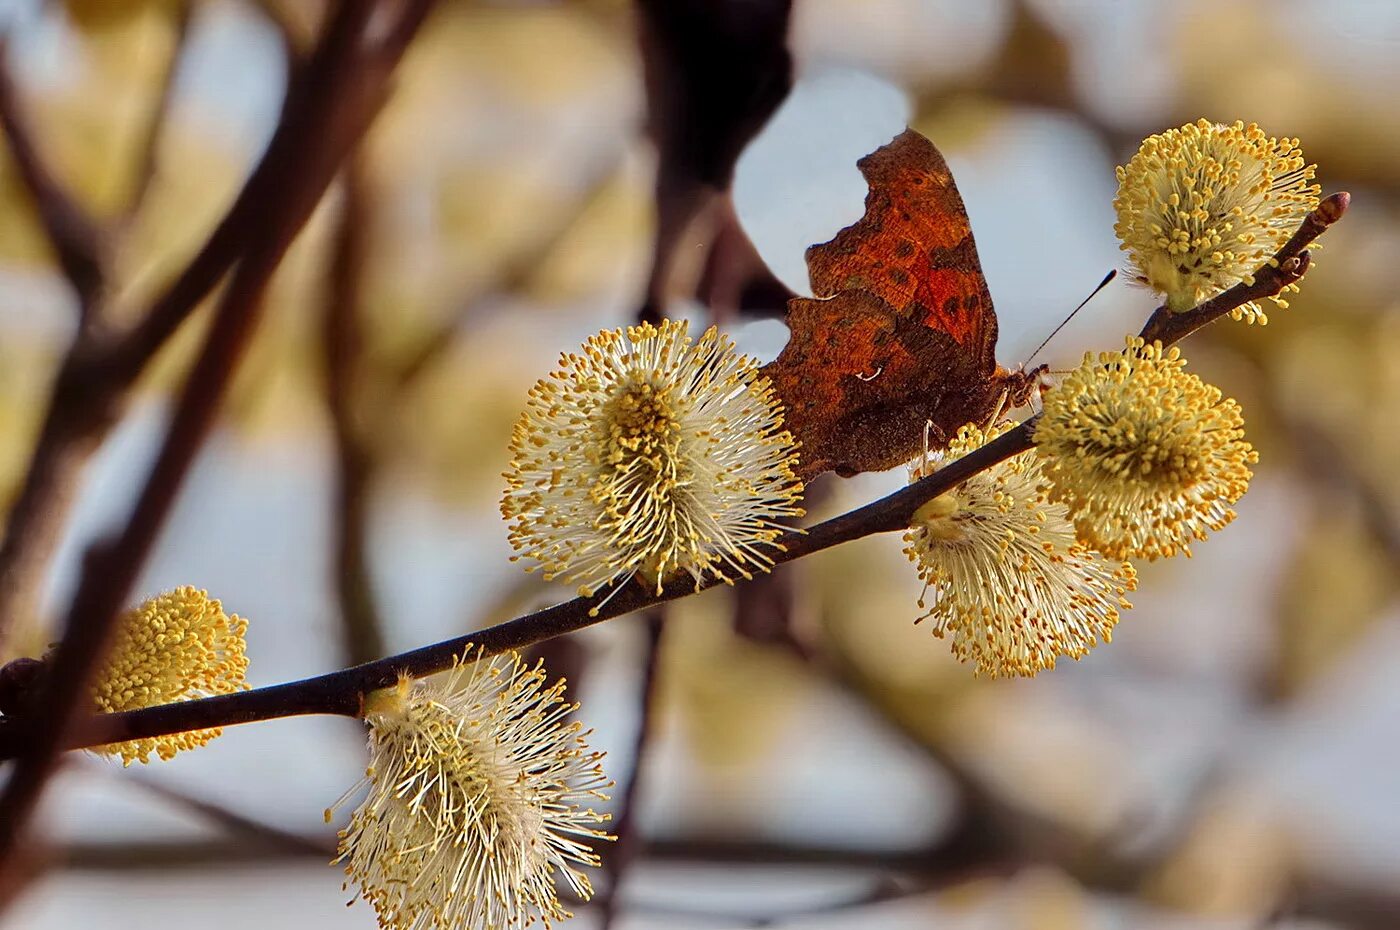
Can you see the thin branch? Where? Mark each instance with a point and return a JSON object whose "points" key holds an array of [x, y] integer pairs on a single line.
{"points": [[1360, 906], [342, 63], [1339, 901], [110, 569], [1330, 463], [168, 857], [329, 104], [341, 692], [264, 834], [629, 839], [79, 415], [324, 112], [77, 240], [86, 399], [95, 376], [1286, 268]]}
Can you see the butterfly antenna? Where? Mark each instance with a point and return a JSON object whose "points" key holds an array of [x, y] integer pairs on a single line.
{"points": [[1102, 284]]}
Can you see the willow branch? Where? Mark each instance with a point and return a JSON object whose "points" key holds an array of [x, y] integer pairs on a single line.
{"points": [[1364, 907], [341, 692], [332, 100], [1286, 268], [89, 388], [629, 839]]}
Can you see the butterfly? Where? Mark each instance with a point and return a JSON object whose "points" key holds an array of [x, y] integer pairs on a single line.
{"points": [[900, 335]]}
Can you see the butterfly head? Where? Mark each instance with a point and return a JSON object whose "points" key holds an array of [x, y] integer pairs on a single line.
{"points": [[1022, 385]]}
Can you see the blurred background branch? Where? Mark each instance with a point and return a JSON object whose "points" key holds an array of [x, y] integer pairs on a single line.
{"points": [[344, 84]]}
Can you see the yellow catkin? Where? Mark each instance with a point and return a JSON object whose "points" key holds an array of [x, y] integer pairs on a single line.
{"points": [[1204, 206], [1012, 588], [176, 646], [650, 454], [1147, 455], [478, 785]]}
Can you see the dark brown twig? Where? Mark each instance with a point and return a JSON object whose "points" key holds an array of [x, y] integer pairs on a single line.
{"points": [[100, 368], [341, 692], [617, 860], [172, 856], [1286, 268], [1359, 906]]}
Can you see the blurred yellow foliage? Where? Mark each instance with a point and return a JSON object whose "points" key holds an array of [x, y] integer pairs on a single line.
{"points": [[711, 678], [92, 125], [1046, 899], [1007, 731], [604, 249], [97, 16], [1291, 85], [455, 423], [1236, 861], [1340, 583], [25, 369], [871, 625]]}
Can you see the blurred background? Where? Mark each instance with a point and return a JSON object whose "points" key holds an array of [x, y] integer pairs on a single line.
{"points": [[543, 170]]}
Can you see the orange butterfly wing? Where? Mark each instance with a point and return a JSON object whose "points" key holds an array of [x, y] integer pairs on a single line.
{"points": [[902, 330]]}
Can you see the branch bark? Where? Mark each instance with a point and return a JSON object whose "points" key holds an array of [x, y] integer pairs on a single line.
{"points": [[1286, 268], [341, 692], [629, 839]]}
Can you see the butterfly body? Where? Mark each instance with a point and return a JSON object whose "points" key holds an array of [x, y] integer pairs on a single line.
{"points": [[901, 331]]}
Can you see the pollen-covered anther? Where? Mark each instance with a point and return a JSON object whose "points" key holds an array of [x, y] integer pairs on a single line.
{"points": [[1205, 206], [1148, 456], [1012, 588], [479, 797], [176, 646], [648, 454]]}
